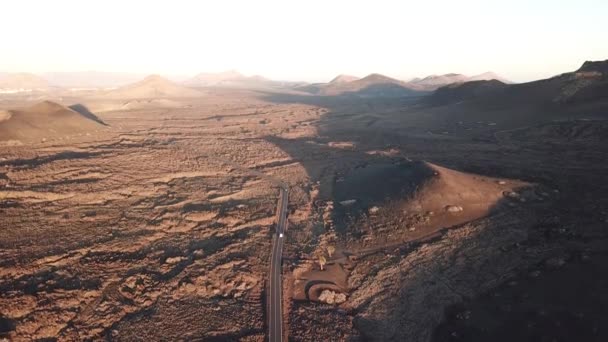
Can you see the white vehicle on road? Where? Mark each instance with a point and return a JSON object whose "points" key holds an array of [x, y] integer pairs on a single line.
{"points": [[281, 235]]}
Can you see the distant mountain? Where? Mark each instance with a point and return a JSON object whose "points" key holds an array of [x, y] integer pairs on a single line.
{"points": [[588, 84], [373, 85], [231, 78], [487, 76], [207, 79], [91, 79], [46, 120], [153, 86], [15, 82], [344, 79], [436, 81]]}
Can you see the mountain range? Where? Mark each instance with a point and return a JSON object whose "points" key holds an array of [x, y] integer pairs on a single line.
{"points": [[588, 83], [381, 85]]}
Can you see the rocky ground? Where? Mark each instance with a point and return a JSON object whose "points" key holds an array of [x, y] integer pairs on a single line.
{"points": [[515, 273], [162, 222]]}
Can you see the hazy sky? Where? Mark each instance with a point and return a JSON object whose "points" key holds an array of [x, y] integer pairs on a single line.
{"points": [[304, 40]]}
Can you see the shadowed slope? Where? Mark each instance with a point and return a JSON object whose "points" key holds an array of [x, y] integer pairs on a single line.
{"points": [[84, 111], [373, 85], [589, 83], [434, 82]]}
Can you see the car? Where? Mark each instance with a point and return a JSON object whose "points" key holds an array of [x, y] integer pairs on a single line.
{"points": [[281, 235]]}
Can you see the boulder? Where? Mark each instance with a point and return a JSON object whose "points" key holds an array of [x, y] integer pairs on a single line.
{"points": [[453, 208]]}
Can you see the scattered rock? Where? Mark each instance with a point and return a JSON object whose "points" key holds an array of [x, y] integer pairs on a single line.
{"points": [[464, 315], [348, 202], [453, 208], [555, 262], [174, 260], [327, 296], [331, 297]]}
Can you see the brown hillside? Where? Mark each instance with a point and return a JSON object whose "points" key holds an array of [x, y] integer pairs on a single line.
{"points": [[458, 197], [153, 86], [428, 196], [46, 120]]}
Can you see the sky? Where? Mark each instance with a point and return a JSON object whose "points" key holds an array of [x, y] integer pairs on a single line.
{"points": [[307, 40]]}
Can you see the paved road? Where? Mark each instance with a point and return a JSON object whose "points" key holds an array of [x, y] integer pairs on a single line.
{"points": [[275, 298]]}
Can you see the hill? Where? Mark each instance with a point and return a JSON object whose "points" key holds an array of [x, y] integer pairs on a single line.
{"points": [[457, 196], [458, 92], [344, 79], [488, 76], [16, 82], [434, 82], [153, 86], [413, 189], [373, 85], [46, 120]]}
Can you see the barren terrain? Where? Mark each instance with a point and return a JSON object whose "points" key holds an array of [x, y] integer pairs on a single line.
{"points": [[446, 221]]}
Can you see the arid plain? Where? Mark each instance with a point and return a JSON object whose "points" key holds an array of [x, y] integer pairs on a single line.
{"points": [[475, 211]]}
